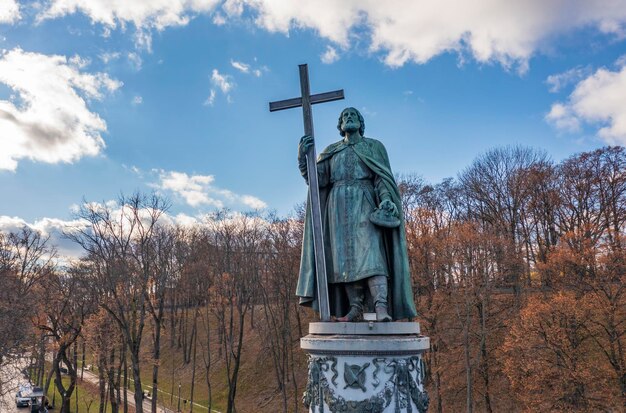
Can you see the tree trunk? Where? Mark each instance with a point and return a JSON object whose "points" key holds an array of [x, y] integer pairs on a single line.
{"points": [[101, 384], [484, 356], [232, 388], [155, 367], [134, 356], [125, 364], [193, 367], [469, 403]]}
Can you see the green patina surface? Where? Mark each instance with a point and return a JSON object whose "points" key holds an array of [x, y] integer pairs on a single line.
{"points": [[355, 178]]}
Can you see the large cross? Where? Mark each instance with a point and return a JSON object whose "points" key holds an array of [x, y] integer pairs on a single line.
{"points": [[306, 100]]}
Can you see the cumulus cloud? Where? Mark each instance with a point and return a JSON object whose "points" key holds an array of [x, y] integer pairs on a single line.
{"points": [[48, 118], [571, 76], [598, 100], [563, 117], [144, 15], [53, 228], [79, 62], [508, 32], [330, 55], [9, 11], [199, 190]]}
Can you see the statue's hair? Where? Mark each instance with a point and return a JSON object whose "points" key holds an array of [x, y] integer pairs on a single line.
{"points": [[361, 121]]}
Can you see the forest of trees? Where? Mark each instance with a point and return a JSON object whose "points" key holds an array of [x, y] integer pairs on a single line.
{"points": [[518, 267]]}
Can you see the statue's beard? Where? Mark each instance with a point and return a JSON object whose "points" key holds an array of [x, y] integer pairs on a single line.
{"points": [[351, 128]]}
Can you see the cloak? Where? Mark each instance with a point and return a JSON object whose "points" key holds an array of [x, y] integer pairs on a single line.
{"points": [[400, 293]]}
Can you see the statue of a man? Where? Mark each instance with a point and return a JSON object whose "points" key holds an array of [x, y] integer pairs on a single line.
{"points": [[364, 239]]}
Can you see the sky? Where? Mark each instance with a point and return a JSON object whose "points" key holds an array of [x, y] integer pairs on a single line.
{"points": [[106, 97]]}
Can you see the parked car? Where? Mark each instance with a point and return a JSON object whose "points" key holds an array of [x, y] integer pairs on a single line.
{"points": [[22, 398]]}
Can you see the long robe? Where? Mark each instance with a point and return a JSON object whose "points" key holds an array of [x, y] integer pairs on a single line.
{"points": [[373, 155]]}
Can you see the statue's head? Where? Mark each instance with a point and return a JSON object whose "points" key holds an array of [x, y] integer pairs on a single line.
{"points": [[345, 116]]}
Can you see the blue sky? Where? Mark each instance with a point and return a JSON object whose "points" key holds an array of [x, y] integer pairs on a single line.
{"points": [[100, 97]]}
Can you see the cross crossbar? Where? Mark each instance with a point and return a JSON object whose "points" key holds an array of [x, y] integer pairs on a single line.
{"points": [[297, 102]]}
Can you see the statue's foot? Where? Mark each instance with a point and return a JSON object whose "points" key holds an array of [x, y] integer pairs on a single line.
{"points": [[382, 314], [353, 315]]}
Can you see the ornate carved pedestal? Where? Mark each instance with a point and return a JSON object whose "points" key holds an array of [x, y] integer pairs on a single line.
{"points": [[365, 367]]}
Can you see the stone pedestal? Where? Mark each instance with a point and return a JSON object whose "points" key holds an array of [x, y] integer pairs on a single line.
{"points": [[365, 367]]}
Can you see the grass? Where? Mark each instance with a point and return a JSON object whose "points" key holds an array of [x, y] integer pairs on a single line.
{"points": [[85, 393]]}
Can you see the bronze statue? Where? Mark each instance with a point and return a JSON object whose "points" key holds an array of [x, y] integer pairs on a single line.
{"points": [[364, 236]]}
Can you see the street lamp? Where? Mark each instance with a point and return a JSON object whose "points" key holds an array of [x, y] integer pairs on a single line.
{"points": [[178, 397]]}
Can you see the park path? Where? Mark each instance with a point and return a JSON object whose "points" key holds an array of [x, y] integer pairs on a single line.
{"points": [[147, 403]]}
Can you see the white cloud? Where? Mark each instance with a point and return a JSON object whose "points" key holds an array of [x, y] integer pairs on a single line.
{"points": [[9, 11], [563, 118], [253, 202], [599, 100], [248, 68], [242, 67], [219, 19], [109, 56], [211, 99], [137, 100], [144, 15], [330, 55], [559, 81], [198, 190], [508, 32], [135, 61], [48, 227], [223, 82], [79, 62], [49, 121]]}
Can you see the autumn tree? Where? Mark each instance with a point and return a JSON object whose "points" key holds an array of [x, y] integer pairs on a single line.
{"points": [[277, 285], [66, 301], [497, 193], [549, 364], [118, 241], [235, 277], [26, 258]]}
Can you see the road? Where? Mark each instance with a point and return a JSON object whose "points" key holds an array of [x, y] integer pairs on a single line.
{"points": [[10, 379]]}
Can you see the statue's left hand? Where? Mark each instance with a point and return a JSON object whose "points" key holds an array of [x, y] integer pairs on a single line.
{"points": [[390, 207]]}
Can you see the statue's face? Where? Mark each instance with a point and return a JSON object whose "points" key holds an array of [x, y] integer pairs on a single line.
{"points": [[350, 121]]}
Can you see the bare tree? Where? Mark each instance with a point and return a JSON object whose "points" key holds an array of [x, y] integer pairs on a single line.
{"points": [[497, 191], [280, 259], [66, 301], [237, 275], [26, 257], [119, 242]]}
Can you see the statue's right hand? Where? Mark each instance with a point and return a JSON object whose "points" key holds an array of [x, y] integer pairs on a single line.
{"points": [[305, 144]]}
